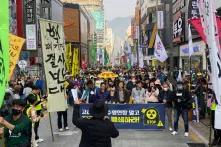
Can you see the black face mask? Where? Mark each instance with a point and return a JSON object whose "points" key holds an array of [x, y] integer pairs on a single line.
{"points": [[16, 112]]}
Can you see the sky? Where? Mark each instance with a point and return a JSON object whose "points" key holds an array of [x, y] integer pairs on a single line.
{"points": [[118, 8]]}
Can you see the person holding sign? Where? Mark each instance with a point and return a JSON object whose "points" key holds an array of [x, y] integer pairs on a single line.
{"points": [[97, 131]]}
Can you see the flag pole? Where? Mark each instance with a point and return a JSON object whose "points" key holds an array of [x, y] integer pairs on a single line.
{"points": [[207, 94], [190, 67]]}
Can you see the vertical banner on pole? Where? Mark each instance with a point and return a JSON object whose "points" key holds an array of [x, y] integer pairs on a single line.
{"points": [[16, 44], [68, 57], [209, 23], [4, 47], [53, 47], [153, 36], [75, 63]]}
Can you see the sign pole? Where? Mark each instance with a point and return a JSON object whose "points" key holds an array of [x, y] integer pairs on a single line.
{"points": [[44, 77], [52, 135]]}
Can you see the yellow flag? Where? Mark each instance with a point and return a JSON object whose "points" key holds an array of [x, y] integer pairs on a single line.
{"points": [[15, 46], [75, 63], [153, 36], [68, 58]]}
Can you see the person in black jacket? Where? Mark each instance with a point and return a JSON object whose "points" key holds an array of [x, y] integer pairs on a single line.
{"points": [[97, 131], [182, 104], [122, 94], [166, 97]]}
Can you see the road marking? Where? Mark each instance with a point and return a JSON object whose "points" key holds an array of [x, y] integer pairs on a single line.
{"points": [[66, 133]]}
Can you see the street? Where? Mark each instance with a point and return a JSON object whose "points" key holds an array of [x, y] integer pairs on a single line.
{"points": [[127, 138]]}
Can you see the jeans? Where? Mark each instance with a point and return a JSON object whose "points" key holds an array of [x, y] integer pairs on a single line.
{"points": [[64, 114], [184, 114]]}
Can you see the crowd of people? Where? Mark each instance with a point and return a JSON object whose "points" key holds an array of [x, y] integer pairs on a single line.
{"points": [[25, 99]]}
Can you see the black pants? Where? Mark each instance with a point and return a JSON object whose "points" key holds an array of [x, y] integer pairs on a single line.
{"points": [[184, 114], [217, 133], [36, 126], [65, 116]]}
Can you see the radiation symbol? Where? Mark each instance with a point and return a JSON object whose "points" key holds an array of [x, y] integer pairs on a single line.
{"points": [[151, 114]]}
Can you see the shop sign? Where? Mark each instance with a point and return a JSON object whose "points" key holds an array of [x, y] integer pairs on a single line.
{"points": [[198, 48], [22, 64], [193, 11], [178, 27], [30, 11], [178, 5]]}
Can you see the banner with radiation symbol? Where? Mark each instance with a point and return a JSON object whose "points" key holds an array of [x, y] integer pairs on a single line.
{"points": [[136, 116]]}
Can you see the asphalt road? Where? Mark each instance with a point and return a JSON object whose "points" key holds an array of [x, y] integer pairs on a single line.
{"points": [[127, 138]]}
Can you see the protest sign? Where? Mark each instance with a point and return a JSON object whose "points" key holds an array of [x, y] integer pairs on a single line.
{"points": [[15, 46], [4, 47], [53, 47], [133, 116], [210, 28]]}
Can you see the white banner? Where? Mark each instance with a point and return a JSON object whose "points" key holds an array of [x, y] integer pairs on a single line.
{"points": [[31, 37], [53, 47], [141, 63], [209, 23], [191, 51], [159, 50], [160, 20]]}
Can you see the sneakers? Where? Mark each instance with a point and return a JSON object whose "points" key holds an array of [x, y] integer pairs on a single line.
{"points": [[36, 145], [174, 133], [39, 140], [170, 129], [186, 134], [65, 129]]}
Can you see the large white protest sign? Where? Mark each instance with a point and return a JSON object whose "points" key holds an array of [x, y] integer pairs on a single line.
{"points": [[209, 23], [53, 47]]}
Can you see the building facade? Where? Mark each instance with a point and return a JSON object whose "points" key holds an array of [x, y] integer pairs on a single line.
{"points": [[96, 8], [154, 16]]}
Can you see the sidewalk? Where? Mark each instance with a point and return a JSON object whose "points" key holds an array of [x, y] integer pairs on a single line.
{"points": [[200, 132]]}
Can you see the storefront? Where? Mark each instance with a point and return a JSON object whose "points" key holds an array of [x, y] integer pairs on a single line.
{"points": [[198, 59]]}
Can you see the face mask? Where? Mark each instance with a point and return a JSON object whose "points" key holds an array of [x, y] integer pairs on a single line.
{"points": [[133, 80], [16, 112], [165, 89]]}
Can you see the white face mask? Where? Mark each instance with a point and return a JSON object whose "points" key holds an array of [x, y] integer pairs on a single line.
{"points": [[165, 89], [133, 80]]}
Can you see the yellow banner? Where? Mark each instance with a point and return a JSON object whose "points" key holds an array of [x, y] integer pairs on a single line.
{"points": [[68, 57], [153, 36], [75, 63], [15, 46]]}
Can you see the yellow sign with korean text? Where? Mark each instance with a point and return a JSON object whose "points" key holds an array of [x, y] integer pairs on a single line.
{"points": [[68, 57], [75, 63], [15, 46]]}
